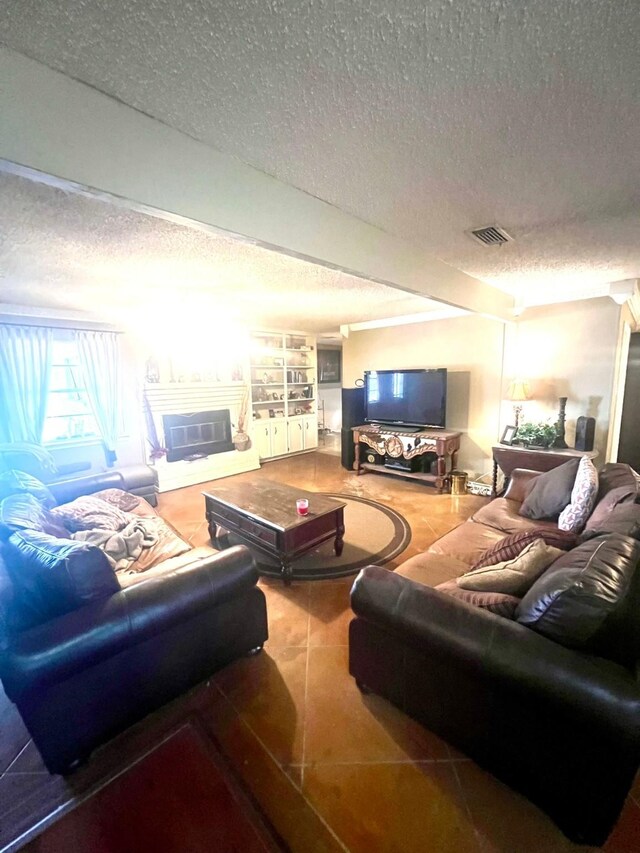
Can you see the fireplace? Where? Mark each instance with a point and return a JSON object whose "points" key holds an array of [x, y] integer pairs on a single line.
{"points": [[197, 435]]}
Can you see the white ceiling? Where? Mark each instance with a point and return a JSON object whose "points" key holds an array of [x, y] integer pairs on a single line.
{"points": [[425, 119], [69, 252]]}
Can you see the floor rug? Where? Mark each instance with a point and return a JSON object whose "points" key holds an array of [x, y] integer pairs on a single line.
{"points": [[374, 533], [179, 797]]}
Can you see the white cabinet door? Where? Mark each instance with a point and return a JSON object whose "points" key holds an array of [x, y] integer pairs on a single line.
{"points": [[296, 434], [278, 439], [262, 433], [310, 425]]}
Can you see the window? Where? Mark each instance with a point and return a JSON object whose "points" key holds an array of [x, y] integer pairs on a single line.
{"points": [[69, 415]]}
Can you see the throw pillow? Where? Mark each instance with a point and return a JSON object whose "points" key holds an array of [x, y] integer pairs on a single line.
{"points": [[15, 482], [583, 498], [91, 513], [54, 576], [580, 600], [512, 577], [494, 602], [515, 543], [549, 493]]}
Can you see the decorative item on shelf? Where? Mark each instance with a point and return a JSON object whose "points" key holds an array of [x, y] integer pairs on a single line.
{"points": [[559, 441], [278, 362], [540, 435], [508, 435], [152, 371], [241, 440], [272, 413], [518, 392]]}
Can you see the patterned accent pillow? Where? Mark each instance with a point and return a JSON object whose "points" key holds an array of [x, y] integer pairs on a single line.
{"points": [[494, 602], [514, 544], [513, 577], [583, 498]]}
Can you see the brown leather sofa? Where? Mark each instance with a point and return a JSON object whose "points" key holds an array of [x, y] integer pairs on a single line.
{"points": [[117, 645], [558, 724]]}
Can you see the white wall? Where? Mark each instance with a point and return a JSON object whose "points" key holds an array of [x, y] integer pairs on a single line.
{"points": [[566, 350], [471, 349]]}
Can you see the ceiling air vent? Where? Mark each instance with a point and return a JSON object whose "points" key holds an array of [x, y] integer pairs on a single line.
{"points": [[492, 235]]}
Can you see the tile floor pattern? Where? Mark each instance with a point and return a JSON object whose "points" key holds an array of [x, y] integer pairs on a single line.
{"points": [[331, 768]]}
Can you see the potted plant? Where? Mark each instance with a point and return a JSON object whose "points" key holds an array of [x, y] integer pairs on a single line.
{"points": [[537, 435], [241, 440]]}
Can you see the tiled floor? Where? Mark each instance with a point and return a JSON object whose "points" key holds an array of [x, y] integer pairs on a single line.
{"points": [[331, 768]]}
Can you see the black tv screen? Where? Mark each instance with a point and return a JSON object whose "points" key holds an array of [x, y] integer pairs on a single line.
{"points": [[406, 397]]}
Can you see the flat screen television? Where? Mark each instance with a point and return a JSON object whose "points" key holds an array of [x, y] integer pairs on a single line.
{"points": [[416, 398]]}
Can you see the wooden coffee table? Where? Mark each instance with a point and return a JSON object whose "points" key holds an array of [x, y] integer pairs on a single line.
{"points": [[263, 515]]}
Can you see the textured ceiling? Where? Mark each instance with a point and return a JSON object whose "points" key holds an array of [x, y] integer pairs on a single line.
{"points": [[425, 119], [65, 251]]}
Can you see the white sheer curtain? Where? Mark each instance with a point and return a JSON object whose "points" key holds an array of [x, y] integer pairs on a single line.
{"points": [[25, 366], [100, 364]]}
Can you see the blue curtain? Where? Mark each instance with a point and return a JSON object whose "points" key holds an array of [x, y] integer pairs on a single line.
{"points": [[100, 364], [25, 365]]}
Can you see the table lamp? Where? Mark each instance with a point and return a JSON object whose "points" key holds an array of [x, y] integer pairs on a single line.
{"points": [[517, 392]]}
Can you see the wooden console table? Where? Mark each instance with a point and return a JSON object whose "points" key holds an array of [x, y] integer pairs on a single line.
{"points": [[507, 457], [390, 444]]}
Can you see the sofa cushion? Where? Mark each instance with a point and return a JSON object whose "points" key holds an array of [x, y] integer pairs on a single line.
{"points": [[614, 475], [24, 512], [550, 493], [504, 515], [515, 576], [624, 519], [494, 602], [54, 576], [467, 542], [614, 497], [515, 543], [584, 589], [431, 569], [91, 513], [583, 497], [15, 482]]}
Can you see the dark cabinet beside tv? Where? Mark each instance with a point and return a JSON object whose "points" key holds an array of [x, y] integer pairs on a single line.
{"points": [[399, 449]]}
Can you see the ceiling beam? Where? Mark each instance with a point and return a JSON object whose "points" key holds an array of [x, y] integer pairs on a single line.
{"points": [[61, 131]]}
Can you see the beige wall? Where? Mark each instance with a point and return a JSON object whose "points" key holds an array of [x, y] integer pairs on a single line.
{"points": [[469, 347], [567, 350]]}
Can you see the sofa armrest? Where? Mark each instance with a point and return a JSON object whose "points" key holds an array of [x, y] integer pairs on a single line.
{"points": [[518, 483], [83, 638], [512, 657]]}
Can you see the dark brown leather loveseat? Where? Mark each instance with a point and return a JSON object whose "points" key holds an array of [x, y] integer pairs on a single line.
{"points": [[557, 723], [113, 648]]}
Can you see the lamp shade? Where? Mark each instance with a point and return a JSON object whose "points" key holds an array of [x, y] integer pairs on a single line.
{"points": [[518, 391]]}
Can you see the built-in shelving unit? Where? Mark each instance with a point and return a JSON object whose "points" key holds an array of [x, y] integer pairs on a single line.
{"points": [[283, 392]]}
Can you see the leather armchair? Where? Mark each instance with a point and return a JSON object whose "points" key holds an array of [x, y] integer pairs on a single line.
{"points": [[561, 726], [79, 679]]}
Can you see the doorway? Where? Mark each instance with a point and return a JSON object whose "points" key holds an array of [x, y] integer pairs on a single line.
{"points": [[629, 444]]}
